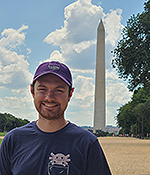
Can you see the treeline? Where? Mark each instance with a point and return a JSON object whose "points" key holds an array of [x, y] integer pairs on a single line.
{"points": [[9, 122], [132, 62], [134, 116]]}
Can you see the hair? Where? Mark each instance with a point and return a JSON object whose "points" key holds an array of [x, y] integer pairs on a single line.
{"points": [[70, 89]]}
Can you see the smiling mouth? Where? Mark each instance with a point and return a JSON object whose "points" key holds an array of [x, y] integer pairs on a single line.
{"points": [[50, 105]]}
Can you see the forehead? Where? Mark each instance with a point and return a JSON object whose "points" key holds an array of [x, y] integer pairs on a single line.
{"points": [[50, 78]]}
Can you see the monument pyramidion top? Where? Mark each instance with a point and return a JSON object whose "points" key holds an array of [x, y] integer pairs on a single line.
{"points": [[101, 25]]}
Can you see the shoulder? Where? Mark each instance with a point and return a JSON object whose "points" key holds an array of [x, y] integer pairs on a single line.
{"points": [[79, 129], [20, 131], [81, 134]]}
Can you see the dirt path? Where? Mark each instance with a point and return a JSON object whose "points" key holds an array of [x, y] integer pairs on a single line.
{"points": [[1, 137], [127, 156]]}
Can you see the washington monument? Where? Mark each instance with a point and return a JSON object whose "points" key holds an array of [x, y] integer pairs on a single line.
{"points": [[99, 106]]}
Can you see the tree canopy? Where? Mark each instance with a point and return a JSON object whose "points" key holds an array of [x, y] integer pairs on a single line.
{"points": [[132, 54], [131, 58], [134, 116], [9, 122]]}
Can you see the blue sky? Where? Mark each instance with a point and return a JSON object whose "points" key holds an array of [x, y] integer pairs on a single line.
{"points": [[32, 32]]}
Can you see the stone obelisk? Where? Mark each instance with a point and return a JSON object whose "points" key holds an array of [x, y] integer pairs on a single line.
{"points": [[99, 106]]}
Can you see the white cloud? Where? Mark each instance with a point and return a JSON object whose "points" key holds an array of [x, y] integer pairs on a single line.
{"points": [[78, 32], [77, 37], [111, 75], [29, 51], [14, 72], [117, 93], [12, 38], [57, 37], [83, 71], [57, 56], [13, 102], [80, 117], [84, 92], [113, 26], [83, 45], [20, 101], [111, 113], [19, 104]]}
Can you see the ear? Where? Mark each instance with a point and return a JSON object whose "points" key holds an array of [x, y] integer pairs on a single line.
{"points": [[71, 93], [32, 90]]}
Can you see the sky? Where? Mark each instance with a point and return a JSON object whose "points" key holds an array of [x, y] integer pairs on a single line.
{"points": [[32, 32]]}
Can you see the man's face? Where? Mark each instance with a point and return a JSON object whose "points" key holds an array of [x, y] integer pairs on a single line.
{"points": [[50, 96]]}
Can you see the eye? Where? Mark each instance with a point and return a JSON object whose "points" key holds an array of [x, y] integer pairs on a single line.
{"points": [[42, 89], [59, 91]]}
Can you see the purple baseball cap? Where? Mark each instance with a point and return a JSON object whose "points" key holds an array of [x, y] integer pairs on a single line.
{"points": [[56, 68]]}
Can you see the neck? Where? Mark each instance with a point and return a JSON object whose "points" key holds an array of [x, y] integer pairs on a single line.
{"points": [[51, 125]]}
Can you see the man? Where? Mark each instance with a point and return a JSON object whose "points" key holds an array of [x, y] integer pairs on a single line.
{"points": [[51, 145]]}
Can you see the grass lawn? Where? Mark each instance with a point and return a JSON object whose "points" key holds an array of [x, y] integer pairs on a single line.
{"points": [[1, 141], [2, 133]]}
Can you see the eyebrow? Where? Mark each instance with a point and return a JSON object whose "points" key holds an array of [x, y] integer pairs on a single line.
{"points": [[60, 87], [41, 85]]}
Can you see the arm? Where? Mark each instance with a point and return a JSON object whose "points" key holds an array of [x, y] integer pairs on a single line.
{"points": [[97, 163], [5, 165]]}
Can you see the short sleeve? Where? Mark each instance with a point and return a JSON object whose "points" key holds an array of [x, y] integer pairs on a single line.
{"points": [[97, 163]]}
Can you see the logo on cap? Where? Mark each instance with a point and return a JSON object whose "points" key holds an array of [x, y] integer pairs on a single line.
{"points": [[54, 66]]}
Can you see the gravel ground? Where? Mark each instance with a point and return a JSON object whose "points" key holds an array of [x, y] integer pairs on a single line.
{"points": [[127, 156]]}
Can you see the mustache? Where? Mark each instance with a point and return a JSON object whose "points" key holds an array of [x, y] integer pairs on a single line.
{"points": [[50, 102]]}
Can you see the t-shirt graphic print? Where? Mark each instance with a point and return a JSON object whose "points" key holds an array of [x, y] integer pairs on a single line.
{"points": [[58, 164]]}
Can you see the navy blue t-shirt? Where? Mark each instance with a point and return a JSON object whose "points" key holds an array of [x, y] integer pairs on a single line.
{"points": [[70, 151]]}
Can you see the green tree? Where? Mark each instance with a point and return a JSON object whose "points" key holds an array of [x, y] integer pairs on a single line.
{"points": [[9, 122], [3, 121], [125, 117], [143, 117], [147, 113], [132, 54], [141, 108], [134, 116]]}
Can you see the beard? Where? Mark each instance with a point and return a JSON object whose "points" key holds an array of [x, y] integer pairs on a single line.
{"points": [[50, 114]]}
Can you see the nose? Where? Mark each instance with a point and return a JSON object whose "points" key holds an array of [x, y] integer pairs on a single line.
{"points": [[50, 95]]}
